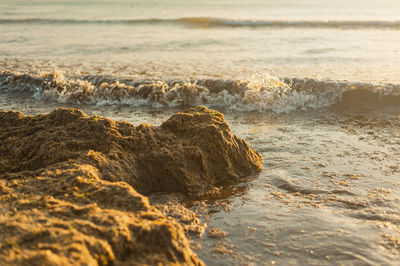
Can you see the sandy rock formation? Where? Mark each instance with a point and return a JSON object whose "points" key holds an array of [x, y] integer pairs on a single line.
{"points": [[69, 184]]}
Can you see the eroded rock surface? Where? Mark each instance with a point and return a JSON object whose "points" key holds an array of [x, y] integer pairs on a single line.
{"points": [[69, 184]]}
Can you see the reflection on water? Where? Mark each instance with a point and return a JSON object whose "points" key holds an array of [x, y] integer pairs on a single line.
{"points": [[327, 194]]}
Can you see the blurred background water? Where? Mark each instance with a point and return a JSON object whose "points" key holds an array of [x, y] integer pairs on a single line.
{"points": [[340, 40]]}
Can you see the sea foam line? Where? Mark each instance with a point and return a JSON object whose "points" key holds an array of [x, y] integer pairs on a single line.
{"points": [[259, 92]]}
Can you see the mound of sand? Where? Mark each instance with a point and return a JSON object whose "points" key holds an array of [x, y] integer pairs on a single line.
{"points": [[69, 184]]}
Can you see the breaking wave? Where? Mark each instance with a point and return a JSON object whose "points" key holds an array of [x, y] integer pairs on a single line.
{"points": [[212, 22], [260, 92]]}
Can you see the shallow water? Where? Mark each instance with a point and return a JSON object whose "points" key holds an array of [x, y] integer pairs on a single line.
{"points": [[327, 194]]}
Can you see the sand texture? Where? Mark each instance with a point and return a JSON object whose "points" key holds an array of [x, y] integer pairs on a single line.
{"points": [[70, 184]]}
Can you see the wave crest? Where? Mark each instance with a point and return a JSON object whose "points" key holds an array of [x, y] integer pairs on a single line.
{"points": [[260, 92]]}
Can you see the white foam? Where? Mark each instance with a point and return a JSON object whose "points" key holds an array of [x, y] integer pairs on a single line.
{"points": [[260, 92]]}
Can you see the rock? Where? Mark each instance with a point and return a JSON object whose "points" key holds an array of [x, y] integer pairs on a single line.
{"points": [[192, 150], [216, 233], [68, 215], [209, 152], [70, 184]]}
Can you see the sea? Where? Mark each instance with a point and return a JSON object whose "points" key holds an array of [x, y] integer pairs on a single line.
{"points": [[313, 85]]}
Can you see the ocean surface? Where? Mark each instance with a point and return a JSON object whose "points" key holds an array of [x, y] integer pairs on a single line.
{"points": [[313, 85]]}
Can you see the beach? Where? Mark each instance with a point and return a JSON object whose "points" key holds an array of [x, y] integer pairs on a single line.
{"points": [[308, 93]]}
